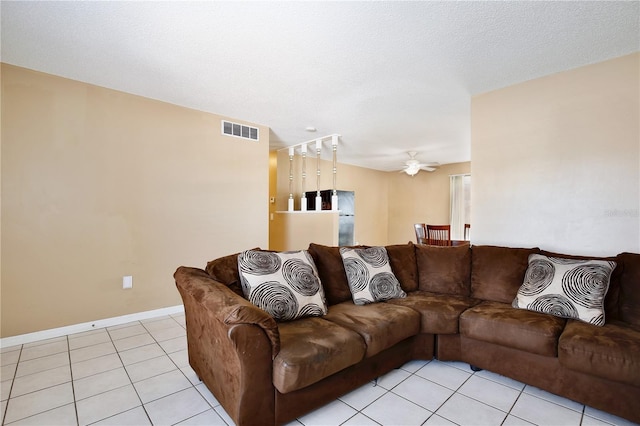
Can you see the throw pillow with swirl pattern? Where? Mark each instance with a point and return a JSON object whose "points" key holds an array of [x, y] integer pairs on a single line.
{"points": [[369, 275], [286, 284], [568, 288]]}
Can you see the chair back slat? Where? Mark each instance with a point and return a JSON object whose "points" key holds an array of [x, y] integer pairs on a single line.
{"points": [[439, 235]]}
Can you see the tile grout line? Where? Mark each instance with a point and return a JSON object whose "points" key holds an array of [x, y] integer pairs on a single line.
{"points": [[13, 381], [117, 352], [66, 339], [128, 376], [450, 396], [134, 387], [191, 385], [433, 413], [557, 404], [73, 387], [414, 373], [48, 387], [508, 412], [522, 391], [92, 375], [345, 422], [513, 405], [455, 391], [387, 391], [181, 372], [411, 372]]}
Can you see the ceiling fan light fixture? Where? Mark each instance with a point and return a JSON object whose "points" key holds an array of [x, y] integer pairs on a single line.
{"points": [[412, 166], [412, 169]]}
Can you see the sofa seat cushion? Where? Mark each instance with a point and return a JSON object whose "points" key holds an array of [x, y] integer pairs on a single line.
{"points": [[312, 349], [501, 324], [439, 313], [611, 351], [381, 325]]}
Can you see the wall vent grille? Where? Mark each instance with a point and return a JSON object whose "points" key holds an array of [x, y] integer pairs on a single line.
{"points": [[240, 130]]}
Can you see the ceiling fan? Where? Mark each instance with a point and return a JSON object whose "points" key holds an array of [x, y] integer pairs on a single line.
{"points": [[413, 166]]}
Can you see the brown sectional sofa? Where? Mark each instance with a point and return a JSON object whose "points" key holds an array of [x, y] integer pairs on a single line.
{"points": [[458, 307]]}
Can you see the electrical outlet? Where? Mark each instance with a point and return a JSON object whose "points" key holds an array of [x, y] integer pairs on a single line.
{"points": [[127, 281]]}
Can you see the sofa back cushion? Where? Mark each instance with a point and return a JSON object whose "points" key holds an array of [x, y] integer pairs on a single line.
{"points": [[444, 269], [225, 271], [403, 264], [498, 272], [629, 296], [332, 273]]}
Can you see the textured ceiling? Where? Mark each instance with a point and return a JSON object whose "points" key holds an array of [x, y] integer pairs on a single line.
{"points": [[390, 77]]}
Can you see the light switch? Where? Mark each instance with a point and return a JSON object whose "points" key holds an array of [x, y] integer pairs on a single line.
{"points": [[127, 281]]}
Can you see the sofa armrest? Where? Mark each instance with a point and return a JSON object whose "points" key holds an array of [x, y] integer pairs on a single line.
{"points": [[225, 305], [231, 345]]}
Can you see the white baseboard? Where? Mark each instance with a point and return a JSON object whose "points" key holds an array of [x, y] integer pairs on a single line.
{"points": [[86, 326]]}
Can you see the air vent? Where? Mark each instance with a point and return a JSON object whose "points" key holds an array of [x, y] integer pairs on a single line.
{"points": [[239, 130]]}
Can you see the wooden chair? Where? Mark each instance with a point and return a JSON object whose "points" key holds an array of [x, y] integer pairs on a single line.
{"points": [[421, 233], [467, 231], [439, 235]]}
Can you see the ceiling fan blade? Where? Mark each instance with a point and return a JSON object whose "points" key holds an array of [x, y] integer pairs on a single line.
{"points": [[427, 169]]}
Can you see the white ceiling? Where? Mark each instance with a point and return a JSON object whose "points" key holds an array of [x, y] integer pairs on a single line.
{"points": [[390, 77]]}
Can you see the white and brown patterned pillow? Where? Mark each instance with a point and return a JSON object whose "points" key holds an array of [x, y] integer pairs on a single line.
{"points": [[284, 284], [568, 288], [369, 275]]}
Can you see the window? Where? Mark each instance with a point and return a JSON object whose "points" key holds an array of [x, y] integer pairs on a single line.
{"points": [[460, 204]]}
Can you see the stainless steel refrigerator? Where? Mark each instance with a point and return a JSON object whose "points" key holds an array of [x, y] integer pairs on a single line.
{"points": [[346, 207]]}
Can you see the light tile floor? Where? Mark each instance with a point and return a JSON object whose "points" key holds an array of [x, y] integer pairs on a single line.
{"points": [[139, 374]]}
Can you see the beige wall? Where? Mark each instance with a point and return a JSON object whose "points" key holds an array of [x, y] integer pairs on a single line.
{"points": [[556, 161], [370, 187], [423, 198], [273, 191], [98, 184], [296, 230]]}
